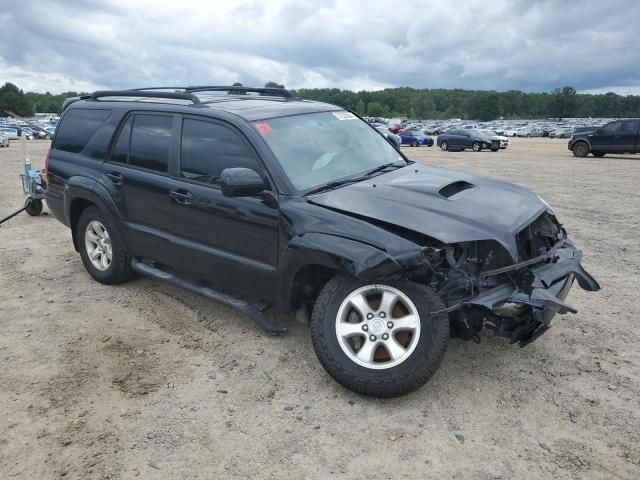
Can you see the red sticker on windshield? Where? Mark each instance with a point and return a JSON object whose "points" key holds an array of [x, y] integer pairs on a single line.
{"points": [[264, 127]]}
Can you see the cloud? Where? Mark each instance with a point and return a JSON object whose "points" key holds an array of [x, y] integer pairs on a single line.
{"points": [[501, 45]]}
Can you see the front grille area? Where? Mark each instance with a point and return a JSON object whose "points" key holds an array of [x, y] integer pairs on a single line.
{"points": [[538, 237]]}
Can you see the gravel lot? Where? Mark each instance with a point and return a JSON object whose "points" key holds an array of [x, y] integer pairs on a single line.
{"points": [[145, 380]]}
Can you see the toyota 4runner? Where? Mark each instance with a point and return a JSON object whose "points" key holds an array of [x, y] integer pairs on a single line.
{"points": [[265, 202]]}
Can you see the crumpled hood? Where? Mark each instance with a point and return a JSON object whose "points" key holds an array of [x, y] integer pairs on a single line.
{"points": [[447, 205]]}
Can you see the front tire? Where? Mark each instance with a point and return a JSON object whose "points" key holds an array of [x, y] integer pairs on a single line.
{"points": [[414, 143], [379, 340], [102, 249], [444, 146], [476, 146], [580, 149]]}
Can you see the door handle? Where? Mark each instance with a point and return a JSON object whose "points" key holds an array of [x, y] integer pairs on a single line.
{"points": [[115, 177], [182, 197]]}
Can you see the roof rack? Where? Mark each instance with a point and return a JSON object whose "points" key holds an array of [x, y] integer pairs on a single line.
{"points": [[241, 90], [145, 94]]}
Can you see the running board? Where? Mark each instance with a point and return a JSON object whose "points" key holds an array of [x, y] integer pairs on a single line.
{"points": [[238, 304]]}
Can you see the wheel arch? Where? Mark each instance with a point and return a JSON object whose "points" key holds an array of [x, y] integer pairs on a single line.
{"points": [[81, 193], [314, 258]]}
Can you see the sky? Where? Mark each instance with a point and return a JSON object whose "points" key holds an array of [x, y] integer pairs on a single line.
{"points": [[529, 45]]}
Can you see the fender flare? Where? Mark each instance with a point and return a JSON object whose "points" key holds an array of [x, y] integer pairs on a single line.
{"points": [[585, 140], [342, 254], [79, 187]]}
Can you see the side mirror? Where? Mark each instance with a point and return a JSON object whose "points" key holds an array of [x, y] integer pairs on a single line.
{"points": [[240, 182]]}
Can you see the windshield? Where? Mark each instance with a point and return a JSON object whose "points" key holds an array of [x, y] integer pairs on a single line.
{"points": [[320, 148]]}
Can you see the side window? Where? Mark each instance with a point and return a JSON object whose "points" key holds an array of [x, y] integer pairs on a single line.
{"points": [[628, 127], [151, 142], [77, 127], [208, 148], [120, 152], [612, 128]]}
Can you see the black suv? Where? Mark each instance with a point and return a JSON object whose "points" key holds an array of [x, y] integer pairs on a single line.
{"points": [[619, 136], [266, 202]]}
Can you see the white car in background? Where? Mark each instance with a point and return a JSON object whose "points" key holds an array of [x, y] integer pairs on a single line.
{"points": [[10, 133], [510, 132], [4, 140], [504, 141]]}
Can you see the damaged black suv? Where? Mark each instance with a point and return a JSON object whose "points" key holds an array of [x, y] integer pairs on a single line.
{"points": [[268, 203]]}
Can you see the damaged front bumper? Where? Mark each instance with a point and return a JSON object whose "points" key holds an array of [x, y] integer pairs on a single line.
{"points": [[522, 306]]}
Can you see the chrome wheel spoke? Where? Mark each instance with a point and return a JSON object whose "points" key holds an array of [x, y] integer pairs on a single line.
{"points": [[365, 354], [350, 329], [94, 253], [360, 303], [396, 351], [387, 303], [409, 322]]}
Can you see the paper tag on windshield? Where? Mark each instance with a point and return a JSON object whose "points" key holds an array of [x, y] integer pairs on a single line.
{"points": [[344, 115]]}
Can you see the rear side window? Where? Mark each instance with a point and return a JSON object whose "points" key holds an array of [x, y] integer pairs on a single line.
{"points": [[77, 127], [151, 142], [120, 152], [208, 148]]}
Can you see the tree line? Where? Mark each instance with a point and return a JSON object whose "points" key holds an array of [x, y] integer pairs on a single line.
{"points": [[407, 102]]}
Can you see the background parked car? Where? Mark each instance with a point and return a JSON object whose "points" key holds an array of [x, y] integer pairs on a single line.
{"points": [[415, 138], [391, 136], [4, 140], [467, 138], [11, 133], [504, 141]]}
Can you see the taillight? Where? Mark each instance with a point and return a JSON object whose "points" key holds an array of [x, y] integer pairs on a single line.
{"points": [[45, 171]]}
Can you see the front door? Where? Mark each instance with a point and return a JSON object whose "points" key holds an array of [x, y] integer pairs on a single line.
{"points": [[618, 136], [231, 243]]}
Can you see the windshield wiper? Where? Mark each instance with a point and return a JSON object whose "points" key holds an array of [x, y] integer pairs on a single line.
{"points": [[345, 181]]}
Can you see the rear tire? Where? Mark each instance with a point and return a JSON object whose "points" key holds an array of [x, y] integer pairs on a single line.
{"points": [[116, 268], [580, 149], [379, 373], [414, 143]]}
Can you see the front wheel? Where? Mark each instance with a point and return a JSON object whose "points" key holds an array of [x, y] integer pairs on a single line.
{"points": [[380, 340], [580, 149], [444, 146], [476, 146], [414, 143]]}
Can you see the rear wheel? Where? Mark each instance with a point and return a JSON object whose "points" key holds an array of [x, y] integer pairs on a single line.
{"points": [[379, 339], [476, 146], [414, 143], [102, 249], [580, 149], [444, 146], [598, 154]]}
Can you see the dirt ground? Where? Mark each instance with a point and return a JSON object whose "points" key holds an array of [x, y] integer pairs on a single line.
{"points": [[145, 380]]}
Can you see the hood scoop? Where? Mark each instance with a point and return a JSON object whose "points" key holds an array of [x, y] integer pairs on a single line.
{"points": [[454, 188]]}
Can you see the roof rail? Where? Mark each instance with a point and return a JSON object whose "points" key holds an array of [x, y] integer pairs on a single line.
{"points": [[241, 90], [145, 94]]}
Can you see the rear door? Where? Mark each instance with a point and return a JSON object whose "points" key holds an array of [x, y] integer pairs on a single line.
{"points": [[138, 171], [230, 242]]}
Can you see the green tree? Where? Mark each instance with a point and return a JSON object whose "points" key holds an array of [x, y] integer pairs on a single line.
{"points": [[273, 85], [564, 102], [376, 109], [484, 106]]}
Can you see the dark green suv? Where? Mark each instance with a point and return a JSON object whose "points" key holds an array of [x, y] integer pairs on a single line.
{"points": [[619, 136]]}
